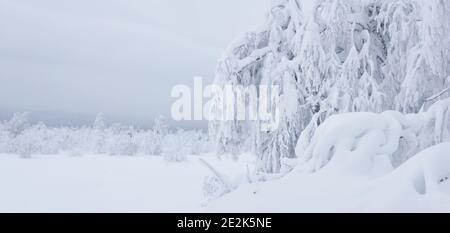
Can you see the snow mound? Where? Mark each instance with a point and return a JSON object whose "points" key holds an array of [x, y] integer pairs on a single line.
{"points": [[352, 140], [427, 173], [420, 185], [370, 142]]}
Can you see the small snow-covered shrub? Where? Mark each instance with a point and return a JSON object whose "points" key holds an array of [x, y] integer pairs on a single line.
{"points": [[76, 140], [123, 144], [45, 141], [149, 143], [197, 142], [4, 139], [18, 123], [121, 140], [25, 144], [175, 148], [213, 188]]}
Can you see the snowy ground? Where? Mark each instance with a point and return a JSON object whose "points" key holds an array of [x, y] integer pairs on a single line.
{"points": [[422, 184], [100, 183]]}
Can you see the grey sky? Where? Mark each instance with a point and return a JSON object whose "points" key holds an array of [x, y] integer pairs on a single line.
{"points": [[62, 59]]}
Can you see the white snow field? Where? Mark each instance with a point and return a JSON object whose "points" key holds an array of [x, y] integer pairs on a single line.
{"points": [[100, 183]]}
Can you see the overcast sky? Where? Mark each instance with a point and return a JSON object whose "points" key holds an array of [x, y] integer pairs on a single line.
{"points": [[69, 59]]}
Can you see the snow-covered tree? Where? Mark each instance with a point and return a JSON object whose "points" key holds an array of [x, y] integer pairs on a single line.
{"points": [[18, 123], [175, 148], [161, 126], [149, 143], [240, 66], [99, 134], [4, 138], [124, 142], [332, 57]]}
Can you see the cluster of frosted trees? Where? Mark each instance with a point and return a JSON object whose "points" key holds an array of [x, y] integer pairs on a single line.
{"points": [[331, 57], [20, 136]]}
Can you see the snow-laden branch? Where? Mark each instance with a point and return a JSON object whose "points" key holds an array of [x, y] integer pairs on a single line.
{"points": [[436, 96], [250, 60]]}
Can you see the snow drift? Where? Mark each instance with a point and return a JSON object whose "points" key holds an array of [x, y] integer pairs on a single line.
{"points": [[420, 185], [358, 137]]}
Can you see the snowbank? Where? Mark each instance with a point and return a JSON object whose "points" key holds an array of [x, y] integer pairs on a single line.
{"points": [[354, 140], [361, 162], [420, 185]]}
